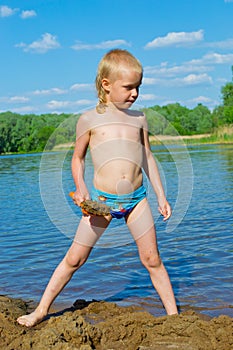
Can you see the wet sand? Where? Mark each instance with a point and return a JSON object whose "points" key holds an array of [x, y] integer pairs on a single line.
{"points": [[104, 325]]}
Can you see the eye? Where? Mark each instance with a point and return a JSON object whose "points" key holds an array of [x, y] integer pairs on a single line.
{"points": [[131, 87]]}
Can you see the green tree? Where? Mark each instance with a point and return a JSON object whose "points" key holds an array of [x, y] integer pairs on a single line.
{"points": [[156, 121], [202, 119], [227, 94], [227, 98]]}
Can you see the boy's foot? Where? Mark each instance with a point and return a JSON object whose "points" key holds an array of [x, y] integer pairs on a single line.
{"points": [[32, 319]]}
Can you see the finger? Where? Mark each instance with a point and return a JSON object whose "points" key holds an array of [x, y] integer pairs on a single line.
{"points": [[75, 200], [167, 215], [165, 212]]}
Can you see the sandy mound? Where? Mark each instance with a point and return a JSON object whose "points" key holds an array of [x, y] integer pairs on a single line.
{"points": [[102, 325]]}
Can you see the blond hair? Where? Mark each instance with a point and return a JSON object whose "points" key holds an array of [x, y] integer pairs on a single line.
{"points": [[111, 64]]}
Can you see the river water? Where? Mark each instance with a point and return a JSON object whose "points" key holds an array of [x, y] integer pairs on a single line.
{"points": [[38, 221]]}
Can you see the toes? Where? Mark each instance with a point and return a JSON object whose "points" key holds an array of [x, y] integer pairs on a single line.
{"points": [[24, 322]]}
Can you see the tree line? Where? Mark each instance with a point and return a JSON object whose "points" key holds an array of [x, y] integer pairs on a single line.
{"points": [[32, 133], [174, 119]]}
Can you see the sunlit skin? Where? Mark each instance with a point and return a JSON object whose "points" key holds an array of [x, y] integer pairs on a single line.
{"points": [[119, 146]]}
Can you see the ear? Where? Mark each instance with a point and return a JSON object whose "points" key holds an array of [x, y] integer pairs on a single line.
{"points": [[106, 84]]}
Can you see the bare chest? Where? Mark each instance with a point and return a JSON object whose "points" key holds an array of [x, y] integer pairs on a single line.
{"points": [[116, 133]]}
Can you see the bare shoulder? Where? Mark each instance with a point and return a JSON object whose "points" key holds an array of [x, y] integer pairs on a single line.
{"points": [[88, 115], [84, 123], [86, 119]]}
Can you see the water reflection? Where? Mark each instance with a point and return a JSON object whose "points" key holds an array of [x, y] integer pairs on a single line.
{"points": [[197, 254]]}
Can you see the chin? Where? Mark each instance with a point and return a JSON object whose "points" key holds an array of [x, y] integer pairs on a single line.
{"points": [[124, 105], [128, 105]]}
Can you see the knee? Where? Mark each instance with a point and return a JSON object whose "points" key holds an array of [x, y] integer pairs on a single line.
{"points": [[73, 261], [151, 261]]}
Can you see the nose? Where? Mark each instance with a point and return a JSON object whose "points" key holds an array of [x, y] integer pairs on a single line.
{"points": [[134, 92]]}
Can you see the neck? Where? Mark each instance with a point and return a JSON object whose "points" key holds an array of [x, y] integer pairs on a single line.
{"points": [[113, 107]]}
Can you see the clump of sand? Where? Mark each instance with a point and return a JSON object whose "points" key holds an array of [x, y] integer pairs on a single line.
{"points": [[103, 325]]}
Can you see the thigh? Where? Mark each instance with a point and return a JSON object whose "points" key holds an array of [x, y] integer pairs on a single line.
{"points": [[141, 225], [90, 230]]}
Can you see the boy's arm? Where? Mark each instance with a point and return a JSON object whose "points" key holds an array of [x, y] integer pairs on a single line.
{"points": [[78, 161], [151, 169]]}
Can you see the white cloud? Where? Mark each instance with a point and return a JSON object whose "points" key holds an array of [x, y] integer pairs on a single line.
{"points": [[18, 99], [58, 91], [222, 81], [176, 39], [82, 87], [148, 81], [168, 102], [224, 44], [84, 102], [202, 99], [228, 0], [46, 43], [188, 80], [109, 44], [195, 70], [185, 68], [55, 104], [206, 101], [195, 79], [23, 110], [147, 97], [14, 99], [53, 91], [214, 58], [27, 14], [6, 11]]}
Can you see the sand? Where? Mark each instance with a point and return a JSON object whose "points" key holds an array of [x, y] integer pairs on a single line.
{"points": [[104, 325]]}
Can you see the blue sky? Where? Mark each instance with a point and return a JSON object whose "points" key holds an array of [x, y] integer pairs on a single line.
{"points": [[50, 51]]}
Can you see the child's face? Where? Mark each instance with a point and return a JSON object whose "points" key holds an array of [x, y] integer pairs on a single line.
{"points": [[123, 90]]}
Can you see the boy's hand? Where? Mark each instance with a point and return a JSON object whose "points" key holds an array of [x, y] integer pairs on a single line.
{"points": [[78, 198], [165, 210]]}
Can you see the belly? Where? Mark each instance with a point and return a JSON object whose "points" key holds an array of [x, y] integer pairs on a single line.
{"points": [[117, 166], [118, 176]]}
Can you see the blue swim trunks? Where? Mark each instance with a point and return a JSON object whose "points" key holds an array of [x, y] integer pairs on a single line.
{"points": [[120, 205]]}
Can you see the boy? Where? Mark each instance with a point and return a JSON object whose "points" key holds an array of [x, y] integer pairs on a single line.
{"points": [[119, 146]]}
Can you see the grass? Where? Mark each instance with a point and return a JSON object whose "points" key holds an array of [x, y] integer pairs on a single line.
{"points": [[222, 135]]}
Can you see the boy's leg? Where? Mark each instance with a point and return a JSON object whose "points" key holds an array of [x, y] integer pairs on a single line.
{"points": [[73, 260], [141, 224]]}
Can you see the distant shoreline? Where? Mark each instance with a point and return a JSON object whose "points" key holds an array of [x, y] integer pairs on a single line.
{"points": [[163, 138], [211, 139], [199, 139], [160, 139]]}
